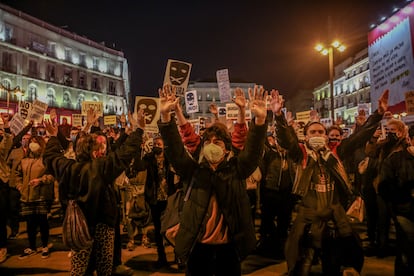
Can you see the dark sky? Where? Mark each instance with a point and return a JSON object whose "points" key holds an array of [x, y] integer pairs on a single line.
{"points": [[266, 42]]}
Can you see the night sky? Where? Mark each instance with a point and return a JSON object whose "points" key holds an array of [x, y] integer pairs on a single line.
{"points": [[266, 42]]}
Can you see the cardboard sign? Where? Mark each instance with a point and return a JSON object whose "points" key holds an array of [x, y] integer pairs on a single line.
{"points": [[223, 82], [37, 112], [24, 109], [110, 120], [97, 106], [232, 111], [191, 102], [77, 120], [150, 105], [177, 74], [17, 124]]}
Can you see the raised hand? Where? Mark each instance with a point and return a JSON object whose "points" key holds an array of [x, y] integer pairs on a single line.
{"points": [[137, 120], [51, 127], [239, 98], [6, 118], [53, 116], [257, 104], [168, 101], [91, 116], [276, 102]]}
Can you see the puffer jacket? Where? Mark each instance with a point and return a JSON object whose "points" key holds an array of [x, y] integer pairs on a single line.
{"points": [[29, 169], [226, 182]]}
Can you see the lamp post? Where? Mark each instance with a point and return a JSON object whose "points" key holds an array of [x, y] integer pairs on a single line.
{"points": [[329, 51], [17, 91]]}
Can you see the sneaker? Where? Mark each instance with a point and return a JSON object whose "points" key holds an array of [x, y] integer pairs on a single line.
{"points": [[45, 252], [3, 255], [27, 253]]}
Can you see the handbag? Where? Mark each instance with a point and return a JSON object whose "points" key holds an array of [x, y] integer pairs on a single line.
{"points": [[170, 218], [75, 231]]}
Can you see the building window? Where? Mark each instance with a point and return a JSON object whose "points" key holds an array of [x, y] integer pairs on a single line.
{"points": [[7, 84], [112, 87], [50, 73], [51, 47], [82, 80], [95, 99], [7, 64], [208, 97], [68, 54], [79, 101], [33, 68], [95, 84], [95, 63], [67, 77], [82, 59]]}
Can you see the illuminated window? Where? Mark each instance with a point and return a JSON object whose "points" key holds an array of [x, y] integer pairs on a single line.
{"points": [[68, 54], [51, 47], [82, 59], [32, 93], [7, 84], [95, 63]]}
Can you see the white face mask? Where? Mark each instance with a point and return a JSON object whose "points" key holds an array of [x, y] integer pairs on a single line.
{"points": [[213, 153], [317, 143], [34, 147]]}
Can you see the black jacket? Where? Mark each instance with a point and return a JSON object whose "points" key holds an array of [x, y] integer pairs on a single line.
{"points": [[91, 182], [226, 182]]}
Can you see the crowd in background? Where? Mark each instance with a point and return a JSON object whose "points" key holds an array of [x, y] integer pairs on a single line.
{"points": [[300, 189]]}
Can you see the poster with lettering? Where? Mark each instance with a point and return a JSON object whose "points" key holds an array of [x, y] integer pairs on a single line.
{"points": [[191, 102], [391, 60], [110, 120], [177, 74], [152, 113], [97, 106], [17, 124], [77, 120], [25, 108], [223, 82], [232, 111], [37, 112]]}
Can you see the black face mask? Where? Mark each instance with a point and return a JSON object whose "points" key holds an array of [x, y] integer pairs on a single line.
{"points": [[333, 140], [157, 150], [392, 138]]}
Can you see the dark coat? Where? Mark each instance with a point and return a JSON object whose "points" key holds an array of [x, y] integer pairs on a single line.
{"points": [[91, 182], [226, 182]]}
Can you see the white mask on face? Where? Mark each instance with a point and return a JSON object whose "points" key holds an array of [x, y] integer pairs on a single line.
{"points": [[317, 143], [34, 147], [213, 153]]}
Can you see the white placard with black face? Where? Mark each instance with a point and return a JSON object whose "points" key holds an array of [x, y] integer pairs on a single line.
{"points": [[177, 74], [191, 102]]}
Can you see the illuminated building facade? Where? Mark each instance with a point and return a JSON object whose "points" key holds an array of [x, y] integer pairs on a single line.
{"points": [[351, 89], [58, 67]]}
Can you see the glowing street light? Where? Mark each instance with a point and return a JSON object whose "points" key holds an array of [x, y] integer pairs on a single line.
{"points": [[329, 51]]}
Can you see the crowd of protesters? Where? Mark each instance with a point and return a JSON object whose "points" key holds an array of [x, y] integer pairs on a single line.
{"points": [[235, 171]]}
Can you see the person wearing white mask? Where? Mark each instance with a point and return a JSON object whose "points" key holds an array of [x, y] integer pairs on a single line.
{"points": [[37, 194], [216, 230], [321, 225]]}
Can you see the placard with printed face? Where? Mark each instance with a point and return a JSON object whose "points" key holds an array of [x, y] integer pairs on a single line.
{"points": [[152, 113], [177, 74], [191, 102]]}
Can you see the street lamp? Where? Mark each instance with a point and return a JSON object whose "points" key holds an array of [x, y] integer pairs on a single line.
{"points": [[329, 51], [17, 91]]}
